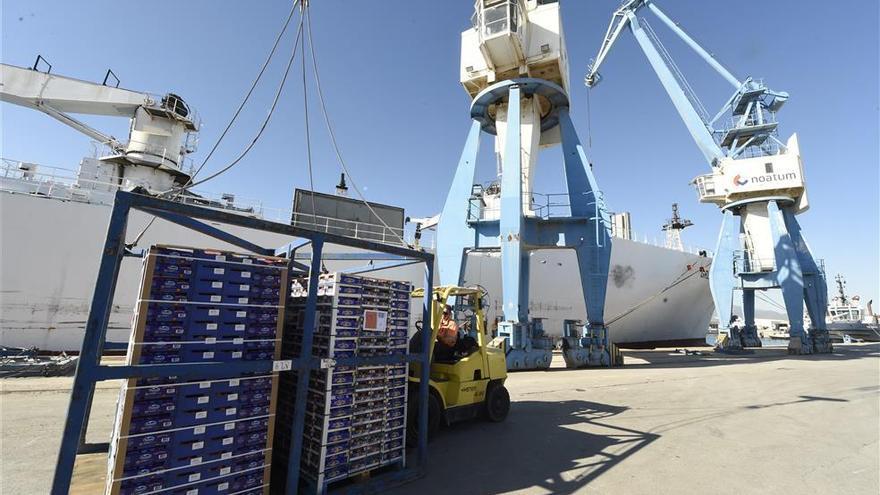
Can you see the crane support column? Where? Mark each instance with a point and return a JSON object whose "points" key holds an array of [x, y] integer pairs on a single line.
{"points": [[593, 251], [749, 335], [452, 259], [722, 278], [515, 231]]}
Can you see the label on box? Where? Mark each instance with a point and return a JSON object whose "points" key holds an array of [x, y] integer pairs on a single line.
{"points": [[226, 455], [228, 440], [247, 261], [229, 426], [232, 397], [236, 354], [213, 312], [245, 274], [204, 384], [208, 355], [216, 285], [244, 287], [225, 470], [222, 487], [242, 300], [234, 382], [219, 271], [195, 477], [194, 491], [195, 460], [211, 340], [210, 326], [215, 298], [203, 399], [239, 327], [198, 445], [284, 365], [199, 430], [238, 341], [230, 411], [241, 314], [201, 414]]}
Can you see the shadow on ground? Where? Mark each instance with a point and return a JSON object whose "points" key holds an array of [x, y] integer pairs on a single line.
{"points": [[555, 446]]}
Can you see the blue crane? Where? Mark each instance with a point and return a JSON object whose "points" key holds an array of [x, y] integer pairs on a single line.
{"points": [[755, 176]]}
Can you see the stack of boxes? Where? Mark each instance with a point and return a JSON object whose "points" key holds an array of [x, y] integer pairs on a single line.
{"points": [[185, 435], [356, 415]]}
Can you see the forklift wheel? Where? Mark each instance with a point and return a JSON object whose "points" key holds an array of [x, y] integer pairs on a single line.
{"points": [[497, 403], [434, 418]]}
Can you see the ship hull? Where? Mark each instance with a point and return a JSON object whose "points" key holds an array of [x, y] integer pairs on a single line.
{"points": [[51, 252]]}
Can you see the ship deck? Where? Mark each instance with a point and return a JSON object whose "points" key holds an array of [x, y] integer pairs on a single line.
{"points": [[667, 422]]}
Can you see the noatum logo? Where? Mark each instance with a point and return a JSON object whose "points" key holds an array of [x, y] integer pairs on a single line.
{"points": [[741, 181]]}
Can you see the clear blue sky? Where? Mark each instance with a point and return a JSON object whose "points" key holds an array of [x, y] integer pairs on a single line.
{"points": [[390, 72]]}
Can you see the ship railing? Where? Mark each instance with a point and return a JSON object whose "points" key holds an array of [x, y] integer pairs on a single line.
{"points": [[351, 228], [64, 183], [56, 182]]}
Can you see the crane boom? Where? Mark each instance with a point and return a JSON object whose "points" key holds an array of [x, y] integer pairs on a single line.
{"points": [[158, 136], [33, 89]]}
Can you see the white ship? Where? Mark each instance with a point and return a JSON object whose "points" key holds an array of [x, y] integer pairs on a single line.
{"points": [[656, 295]]}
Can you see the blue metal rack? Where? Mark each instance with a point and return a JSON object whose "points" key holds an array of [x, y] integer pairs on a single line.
{"points": [[90, 371]]}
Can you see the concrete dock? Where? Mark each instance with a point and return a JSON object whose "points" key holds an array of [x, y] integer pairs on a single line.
{"points": [[664, 423]]}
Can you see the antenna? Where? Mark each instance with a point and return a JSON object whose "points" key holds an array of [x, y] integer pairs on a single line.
{"points": [[341, 188], [673, 228]]}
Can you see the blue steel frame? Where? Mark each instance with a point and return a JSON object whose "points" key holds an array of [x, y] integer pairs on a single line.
{"points": [[90, 371], [586, 229]]}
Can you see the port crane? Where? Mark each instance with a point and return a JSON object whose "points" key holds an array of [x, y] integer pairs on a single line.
{"points": [[514, 67], [755, 177], [163, 129]]}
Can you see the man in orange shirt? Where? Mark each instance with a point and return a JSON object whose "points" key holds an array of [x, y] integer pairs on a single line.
{"points": [[447, 334]]}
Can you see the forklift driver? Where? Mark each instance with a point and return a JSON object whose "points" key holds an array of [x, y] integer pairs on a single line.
{"points": [[450, 344], [447, 334]]}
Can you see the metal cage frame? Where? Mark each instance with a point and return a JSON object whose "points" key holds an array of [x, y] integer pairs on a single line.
{"points": [[89, 370]]}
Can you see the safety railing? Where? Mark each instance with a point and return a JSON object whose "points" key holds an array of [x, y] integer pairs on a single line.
{"points": [[348, 228], [744, 262]]}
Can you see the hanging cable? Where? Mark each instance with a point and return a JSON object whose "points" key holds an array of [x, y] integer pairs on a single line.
{"points": [[685, 275], [250, 91], [268, 116], [333, 135], [304, 6], [232, 120]]}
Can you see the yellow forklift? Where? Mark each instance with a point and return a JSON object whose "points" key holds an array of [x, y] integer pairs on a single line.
{"points": [[466, 381]]}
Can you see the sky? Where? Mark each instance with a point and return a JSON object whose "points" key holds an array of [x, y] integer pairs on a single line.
{"points": [[390, 76]]}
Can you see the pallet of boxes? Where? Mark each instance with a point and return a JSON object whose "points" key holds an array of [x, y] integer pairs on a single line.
{"points": [[185, 436], [356, 415], [232, 435]]}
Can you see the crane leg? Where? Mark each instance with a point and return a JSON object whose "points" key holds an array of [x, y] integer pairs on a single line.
{"points": [[525, 350], [789, 277], [815, 287], [749, 335], [593, 247], [722, 280], [453, 233]]}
